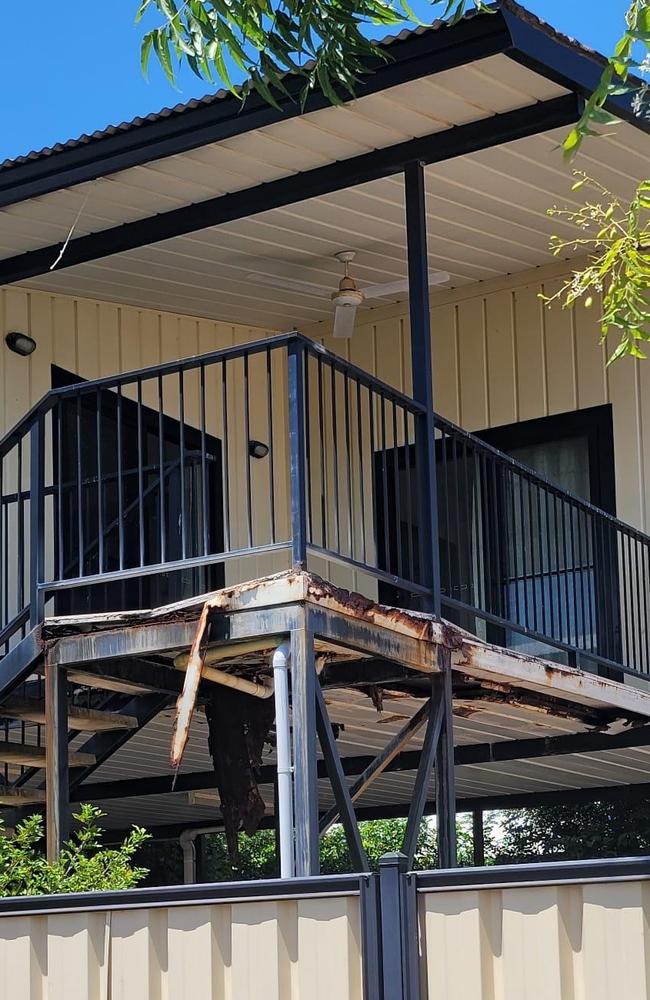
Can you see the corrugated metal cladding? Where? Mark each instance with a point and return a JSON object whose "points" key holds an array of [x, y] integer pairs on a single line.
{"points": [[276, 949], [538, 942]]}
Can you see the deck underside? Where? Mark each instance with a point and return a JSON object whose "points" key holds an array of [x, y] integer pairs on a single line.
{"points": [[522, 726]]}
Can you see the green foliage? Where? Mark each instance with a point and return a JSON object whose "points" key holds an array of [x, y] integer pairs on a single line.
{"points": [[258, 860], [323, 42], [597, 829], [84, 865], [630, 55], [616, 235]]}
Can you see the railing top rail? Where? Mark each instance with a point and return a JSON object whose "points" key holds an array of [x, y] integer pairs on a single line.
{"points": [[536, 477]]}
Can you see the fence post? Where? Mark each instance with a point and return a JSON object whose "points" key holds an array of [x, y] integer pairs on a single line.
{"points": [[399, 929], [296, 387], [425, 443], [36, 521]]}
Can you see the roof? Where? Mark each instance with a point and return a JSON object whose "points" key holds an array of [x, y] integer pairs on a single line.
{"points": [[411, 54], [189, 210]]}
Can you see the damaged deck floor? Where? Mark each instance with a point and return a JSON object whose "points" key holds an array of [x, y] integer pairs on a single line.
{"points": [[523, 726]]}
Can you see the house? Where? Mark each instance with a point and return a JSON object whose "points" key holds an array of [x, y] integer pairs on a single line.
{"points": [[281, 399]]}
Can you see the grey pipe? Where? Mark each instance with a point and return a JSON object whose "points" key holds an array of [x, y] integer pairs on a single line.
{"points": [[280, 662]]}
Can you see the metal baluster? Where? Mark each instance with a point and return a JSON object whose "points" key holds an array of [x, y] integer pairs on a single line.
{"points": [[80, 527], [226, 459], [204, 465], [100, 492], [398, 502], [409, 492], [323, 481], [361, 470], [120, 482], [335, 459], [269, 397], [384, 483], [140, 475], [181, 402], [346, 417], [161, 468], [247, 432]]}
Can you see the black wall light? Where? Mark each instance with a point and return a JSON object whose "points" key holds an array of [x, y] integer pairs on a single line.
{"points": [[257, 449], [20, 343]]}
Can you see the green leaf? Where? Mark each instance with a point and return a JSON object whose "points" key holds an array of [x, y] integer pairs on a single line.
{"points": [[145, 52], [161, 48]]}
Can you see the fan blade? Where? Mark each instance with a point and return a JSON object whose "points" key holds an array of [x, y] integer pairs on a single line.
{"points": [[393, 287], [291, 284], [344, 321]]}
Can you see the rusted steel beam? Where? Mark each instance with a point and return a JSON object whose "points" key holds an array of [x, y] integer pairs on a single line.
{"points": [[376, 640]]}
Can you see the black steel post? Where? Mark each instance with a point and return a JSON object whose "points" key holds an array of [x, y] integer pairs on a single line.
{"points": [[478, 837], [399, 930], [36, 521], [57, 785], [425, 445], [296, 391], [444, 773], [305, 773]]}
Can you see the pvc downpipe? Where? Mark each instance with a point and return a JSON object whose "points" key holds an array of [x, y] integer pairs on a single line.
{"points": [[187, 841], [280, 663]]}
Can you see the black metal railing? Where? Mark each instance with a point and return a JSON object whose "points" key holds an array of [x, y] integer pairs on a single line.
{"points": [[142, 488]]}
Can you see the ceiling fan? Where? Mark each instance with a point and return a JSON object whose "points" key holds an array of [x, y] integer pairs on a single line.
{"points": [[347, 298]]}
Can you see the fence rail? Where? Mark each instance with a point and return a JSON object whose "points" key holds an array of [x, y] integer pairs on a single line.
{"points": [[142, 488]]}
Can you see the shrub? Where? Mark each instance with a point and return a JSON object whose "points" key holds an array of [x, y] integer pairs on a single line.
{"points": [[84, 864]]}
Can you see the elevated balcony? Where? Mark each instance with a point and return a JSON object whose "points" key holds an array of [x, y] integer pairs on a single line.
{"points": [[152, 486]]}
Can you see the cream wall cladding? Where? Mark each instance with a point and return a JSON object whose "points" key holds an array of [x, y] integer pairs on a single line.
{"points": [[271, 949], [94, 339], [549, 942], [501, 356]]}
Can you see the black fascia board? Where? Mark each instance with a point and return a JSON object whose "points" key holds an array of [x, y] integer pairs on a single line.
{"points": [[435, 148], [419, 55], [569, 65]]}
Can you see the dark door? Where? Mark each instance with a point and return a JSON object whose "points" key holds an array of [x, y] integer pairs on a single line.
{"points": [[120, 489], [510, 550]]}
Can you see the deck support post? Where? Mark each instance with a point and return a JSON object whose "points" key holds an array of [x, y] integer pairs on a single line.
{"points": [[421, 363], [444, 771], [57, 788], [305, 772], [478, 837]]}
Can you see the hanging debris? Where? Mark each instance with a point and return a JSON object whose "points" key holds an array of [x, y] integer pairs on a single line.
{"points": [[239, 726]]}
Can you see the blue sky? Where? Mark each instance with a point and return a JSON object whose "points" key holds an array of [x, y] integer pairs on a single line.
{"points": [[75, 68]]}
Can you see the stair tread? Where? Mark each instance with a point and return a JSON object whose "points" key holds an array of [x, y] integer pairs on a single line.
{"points": [[21, 753], [89, 720], [21, 796]]}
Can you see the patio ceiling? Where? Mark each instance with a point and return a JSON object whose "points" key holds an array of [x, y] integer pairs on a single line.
{"points": [[486, 216]]}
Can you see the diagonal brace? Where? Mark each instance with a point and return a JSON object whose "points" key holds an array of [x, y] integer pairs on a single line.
{"points": [[425, 767], [379, 764], [339, 784]]}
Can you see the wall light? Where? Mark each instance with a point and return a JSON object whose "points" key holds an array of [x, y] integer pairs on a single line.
{"points": [[20, 343], [257, 449]]}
